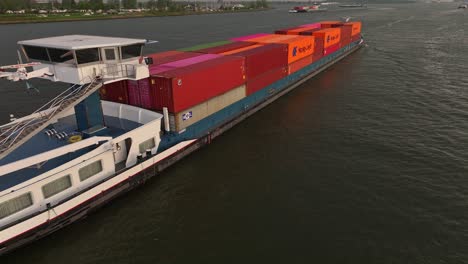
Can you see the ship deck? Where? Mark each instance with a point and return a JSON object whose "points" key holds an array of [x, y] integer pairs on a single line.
{"points": [[41, 143]]}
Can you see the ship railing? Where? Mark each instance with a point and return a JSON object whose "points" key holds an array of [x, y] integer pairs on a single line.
{"points": [[116, 71], [15, 132]]}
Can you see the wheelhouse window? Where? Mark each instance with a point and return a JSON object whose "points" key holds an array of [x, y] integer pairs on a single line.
{"points": [[87, 56], [90, 170], [131, 51], [61, 55], [15, 205], [147, 144], [57, 186], [36, 53], [110, 54]]}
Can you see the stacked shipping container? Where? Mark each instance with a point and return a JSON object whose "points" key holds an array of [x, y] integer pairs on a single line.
{"points": [[196, 82]]}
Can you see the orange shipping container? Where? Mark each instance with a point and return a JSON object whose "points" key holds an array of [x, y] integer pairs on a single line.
{"points": [[331, 36], [356, 28], [298, 46], [297, 65]]}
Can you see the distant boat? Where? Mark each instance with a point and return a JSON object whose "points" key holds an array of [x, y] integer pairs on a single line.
{"points": [[306, 9], [464, 6], [353, 5]]}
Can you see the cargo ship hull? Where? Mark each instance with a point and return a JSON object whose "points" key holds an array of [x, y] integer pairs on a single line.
{"points": [[174, 146]]}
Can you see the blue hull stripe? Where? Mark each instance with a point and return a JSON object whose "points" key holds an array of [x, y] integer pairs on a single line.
{"points": [[209, 123]]}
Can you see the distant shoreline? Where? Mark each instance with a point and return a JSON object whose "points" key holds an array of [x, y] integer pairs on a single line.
{"points": [[33, 19]]}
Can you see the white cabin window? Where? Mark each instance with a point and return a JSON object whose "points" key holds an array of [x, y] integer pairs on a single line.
{"points": [[15, 205], [54, 187], [36, 53], [110, 54], [131, 51], [147, 144], [87, 55], [90, 170], [61, 55]]}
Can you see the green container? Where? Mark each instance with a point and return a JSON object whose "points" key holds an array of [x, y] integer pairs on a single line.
{"points": [[206, 45]]}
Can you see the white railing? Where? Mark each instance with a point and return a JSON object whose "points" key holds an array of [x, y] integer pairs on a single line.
{"points": [[115, 71]]}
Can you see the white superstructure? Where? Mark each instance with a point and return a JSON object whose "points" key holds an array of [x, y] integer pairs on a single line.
{"points": [[78, 58]]}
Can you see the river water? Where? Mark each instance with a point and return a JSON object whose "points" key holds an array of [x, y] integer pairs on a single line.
{"points": [[365, 163]]}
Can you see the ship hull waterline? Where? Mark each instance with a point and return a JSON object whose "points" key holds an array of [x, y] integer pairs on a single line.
{"points": [[136, 176]]}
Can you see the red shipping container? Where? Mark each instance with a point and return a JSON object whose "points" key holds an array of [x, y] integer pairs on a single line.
{"points": [[346, 34], [226, 47], [316, 57], [133, 94], [331, 24], [331, 49], [266, 79], [140, 93], [356, 37], [264, 58], [284, 31], [309, 32], [318, 51], [144, 93], [297, 65], [185, 87], [115, 92], [297, 31]]}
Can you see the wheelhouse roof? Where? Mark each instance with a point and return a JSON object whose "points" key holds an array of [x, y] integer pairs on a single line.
{"points": [[75, 42]]}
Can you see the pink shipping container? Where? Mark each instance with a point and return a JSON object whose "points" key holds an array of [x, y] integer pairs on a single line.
{"points": [[170, 56], [185, 87], [191, 61], [226, 47], [331, 49], [167, 57], [249, 37], [159, 69]]}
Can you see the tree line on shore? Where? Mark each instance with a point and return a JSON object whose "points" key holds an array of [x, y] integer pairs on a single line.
{"points": [[161, 5]]}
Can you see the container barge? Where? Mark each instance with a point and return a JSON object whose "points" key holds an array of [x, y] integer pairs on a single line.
{"points": [[126, 117]]}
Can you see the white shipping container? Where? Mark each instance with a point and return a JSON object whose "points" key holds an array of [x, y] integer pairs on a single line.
{"points": [[183, 119]]}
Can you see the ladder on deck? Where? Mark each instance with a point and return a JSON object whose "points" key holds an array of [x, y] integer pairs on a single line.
{"points": [[14, 134]]}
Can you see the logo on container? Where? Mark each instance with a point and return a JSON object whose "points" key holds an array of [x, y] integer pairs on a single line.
{"points": [[328, 38], [294, 51], [305, 49], [187, 115]]}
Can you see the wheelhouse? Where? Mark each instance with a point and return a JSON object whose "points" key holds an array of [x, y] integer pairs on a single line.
{"points": [[72, 58]]}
